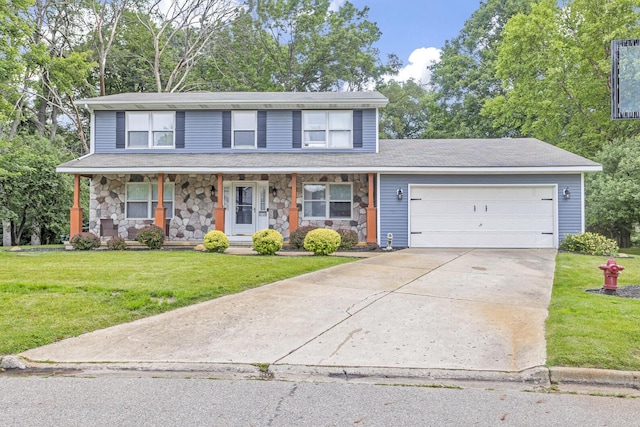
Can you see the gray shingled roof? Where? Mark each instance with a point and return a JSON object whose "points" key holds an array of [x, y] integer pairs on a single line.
{"points": [[440, 155], [235, 100]]}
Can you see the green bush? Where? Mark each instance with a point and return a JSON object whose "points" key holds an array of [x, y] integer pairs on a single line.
{"points": [[296, 239], [589, 244], [85, 241], [117, 244], [267, 241], [348, 238], [322, 241], [152, 236], [216, 241]]}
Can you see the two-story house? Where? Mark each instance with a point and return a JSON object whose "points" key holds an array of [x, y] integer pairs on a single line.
{"points": [[241, 162]]}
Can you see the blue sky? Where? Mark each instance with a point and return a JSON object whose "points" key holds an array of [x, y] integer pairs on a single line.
{"points": [[415, 30]]}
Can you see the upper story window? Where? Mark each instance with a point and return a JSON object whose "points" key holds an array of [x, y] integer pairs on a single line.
{"points": [[327, 201], [327, 129], [142, 199], [244, 129], [150, 129]]}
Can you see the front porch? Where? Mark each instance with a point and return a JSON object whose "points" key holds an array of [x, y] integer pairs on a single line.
{"points": [[187, 206]]}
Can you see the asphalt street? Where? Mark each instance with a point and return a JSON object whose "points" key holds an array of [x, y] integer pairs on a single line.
{"points": [[110, 401]]}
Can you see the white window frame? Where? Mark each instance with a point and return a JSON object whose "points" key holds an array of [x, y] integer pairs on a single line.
{"points": [[328, 129], [328, 201], [240, 127], [150, 200], [150, 129]]}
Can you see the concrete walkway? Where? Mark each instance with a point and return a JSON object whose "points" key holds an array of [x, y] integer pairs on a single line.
{"points": [[450, 309]]}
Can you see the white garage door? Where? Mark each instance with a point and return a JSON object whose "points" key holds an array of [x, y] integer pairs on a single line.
{"points": [[482, 216]]}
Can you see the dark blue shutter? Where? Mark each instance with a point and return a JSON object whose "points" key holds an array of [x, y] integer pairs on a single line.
{"points": [[179, 129], [120, 129], [262, 129], [226, 129], [297, 129], [357, 129]]}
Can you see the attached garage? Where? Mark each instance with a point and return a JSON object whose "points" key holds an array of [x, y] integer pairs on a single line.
{"points": [[500, 216]]}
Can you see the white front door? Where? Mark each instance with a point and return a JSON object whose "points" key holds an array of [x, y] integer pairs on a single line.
{"points": [[243, 211]]}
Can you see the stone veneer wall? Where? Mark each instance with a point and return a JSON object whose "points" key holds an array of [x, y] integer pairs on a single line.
{"points": [[194, 202], [279, 206]]}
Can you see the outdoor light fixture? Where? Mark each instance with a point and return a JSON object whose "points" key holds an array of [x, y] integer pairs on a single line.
{"points": [[274, 192], [566, 193], [399, 193]]}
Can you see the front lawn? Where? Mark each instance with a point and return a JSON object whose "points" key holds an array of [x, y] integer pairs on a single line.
{"points": [[591, 330], [48, 296]]}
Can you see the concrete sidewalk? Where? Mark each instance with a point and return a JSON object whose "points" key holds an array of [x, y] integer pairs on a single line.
{"points": [[466, 310]]}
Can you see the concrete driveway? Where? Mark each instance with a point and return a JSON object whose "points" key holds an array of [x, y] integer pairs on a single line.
{"points": [[460, 309]]}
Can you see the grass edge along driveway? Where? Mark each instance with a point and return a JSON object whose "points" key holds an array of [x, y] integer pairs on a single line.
{"points": [[590, 330], [49, 296]]}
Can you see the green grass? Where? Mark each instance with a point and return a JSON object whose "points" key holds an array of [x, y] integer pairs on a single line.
{"points": [[591, 330], [48, 296], [630, 251]]}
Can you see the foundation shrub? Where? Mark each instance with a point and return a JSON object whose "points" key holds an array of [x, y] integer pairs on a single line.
{"points": [[296, 239], [216, 241], [322, 241], [348, 238], [152, 236], [117, 244], [590, 244], [267, 241], [85, 241]]}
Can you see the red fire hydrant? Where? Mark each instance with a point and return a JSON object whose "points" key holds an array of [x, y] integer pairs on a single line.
{"points": [[611, 272]]}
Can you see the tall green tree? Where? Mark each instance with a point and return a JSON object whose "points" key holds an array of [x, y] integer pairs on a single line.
{"points": [[297, 45], [408, 113], [465, 77], [33, 197], [555, 64], [613, 196]]}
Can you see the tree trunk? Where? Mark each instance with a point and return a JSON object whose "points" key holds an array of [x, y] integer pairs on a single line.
{"points": [[624, 238], [6, 232]]}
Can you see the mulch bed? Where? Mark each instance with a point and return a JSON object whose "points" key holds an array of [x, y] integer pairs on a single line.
{"points": [[632, 291]]}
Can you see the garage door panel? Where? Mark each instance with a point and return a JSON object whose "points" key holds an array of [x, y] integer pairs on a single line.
{"points": [[469, 216]]}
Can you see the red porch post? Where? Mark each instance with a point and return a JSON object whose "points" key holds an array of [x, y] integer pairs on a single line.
{"points": [[371, 214], [293, 208], [161, 211], [76, 210], [219, 210]]}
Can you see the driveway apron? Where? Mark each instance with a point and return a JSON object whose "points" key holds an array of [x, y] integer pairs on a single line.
{"points": [[471, 309]]}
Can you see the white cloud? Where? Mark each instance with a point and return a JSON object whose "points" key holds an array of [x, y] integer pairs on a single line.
{"points": [[335, 5], [417, 68]]}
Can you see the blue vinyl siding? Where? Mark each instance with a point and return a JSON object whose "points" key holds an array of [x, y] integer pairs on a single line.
{"points": [[394, 213], [203, 133]]}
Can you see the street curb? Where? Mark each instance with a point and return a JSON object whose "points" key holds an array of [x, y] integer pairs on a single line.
{"points": [[597, 377]]}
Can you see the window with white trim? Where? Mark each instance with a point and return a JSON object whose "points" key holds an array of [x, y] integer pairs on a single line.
{"points": [[327, 201], [327, 129], [150, 129], [142, 199], [244, 125]]}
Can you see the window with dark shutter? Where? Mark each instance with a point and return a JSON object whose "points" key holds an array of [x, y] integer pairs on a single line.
{"points": [[179, 129], [120, 130], [262, 129], [226, 129], [357, 129], [297, 129]]}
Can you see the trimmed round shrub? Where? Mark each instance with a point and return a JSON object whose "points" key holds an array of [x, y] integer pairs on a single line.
{"points": [[152, 236], [348, 238], [117, 244], [267, 241], [216, 241], [589, 244], [296, 239], [322, 241], [85, 241]]}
